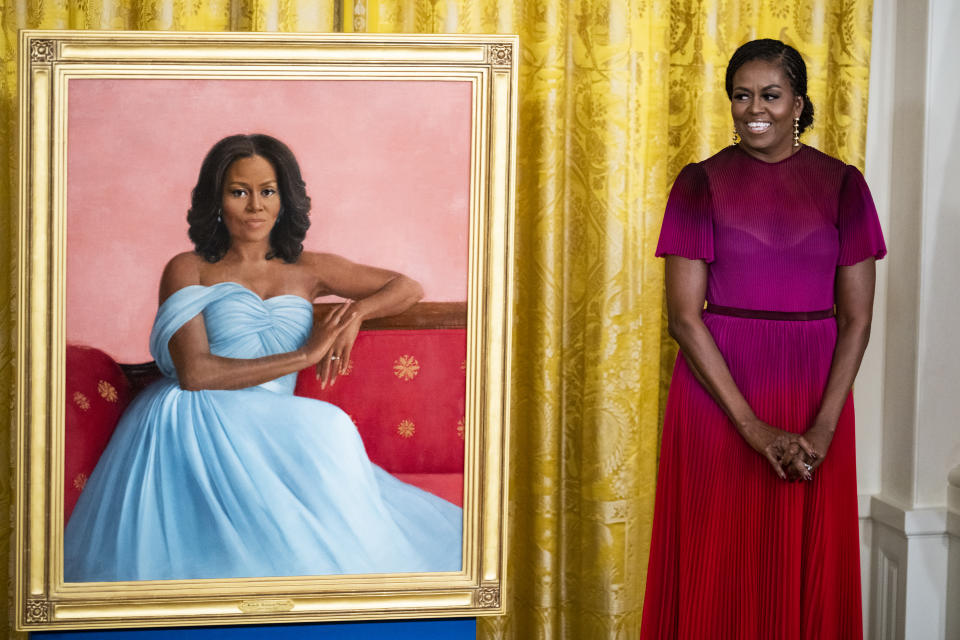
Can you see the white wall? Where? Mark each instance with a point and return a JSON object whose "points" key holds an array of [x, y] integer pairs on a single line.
{"points": [[908, 392], [905, 175], [868, 390], [938, 380]]}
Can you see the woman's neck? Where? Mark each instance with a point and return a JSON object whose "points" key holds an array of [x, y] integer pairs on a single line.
{"points": [[252, 252]]}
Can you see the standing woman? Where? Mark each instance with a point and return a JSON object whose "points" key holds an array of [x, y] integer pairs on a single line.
{"points": [[755, 532]]}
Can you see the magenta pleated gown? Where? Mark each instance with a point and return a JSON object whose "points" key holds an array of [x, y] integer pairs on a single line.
{"points": [[736, 552]]}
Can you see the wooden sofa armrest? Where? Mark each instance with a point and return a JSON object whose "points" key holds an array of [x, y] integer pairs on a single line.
{"points": [[423, 315]]}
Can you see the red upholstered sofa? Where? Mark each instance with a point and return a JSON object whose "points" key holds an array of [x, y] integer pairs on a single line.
{"points": [[404, 389]]}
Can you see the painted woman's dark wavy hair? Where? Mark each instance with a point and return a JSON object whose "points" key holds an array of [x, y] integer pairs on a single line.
{"points": [[789, 60], [210, 236]]}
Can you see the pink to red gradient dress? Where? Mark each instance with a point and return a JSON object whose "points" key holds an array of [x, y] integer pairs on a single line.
{"points": [[736, 552]]}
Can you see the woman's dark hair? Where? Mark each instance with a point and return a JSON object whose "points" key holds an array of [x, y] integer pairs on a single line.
{"points": [[781, 54], [210, 235]]}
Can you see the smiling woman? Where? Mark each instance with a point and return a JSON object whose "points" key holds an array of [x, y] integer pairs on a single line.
{"points": [[767, 87], [764, 109], [217, 470], [755, 530]]}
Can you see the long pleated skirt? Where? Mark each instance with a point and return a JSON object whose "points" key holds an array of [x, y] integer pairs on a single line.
{"points": [[736, 552]]}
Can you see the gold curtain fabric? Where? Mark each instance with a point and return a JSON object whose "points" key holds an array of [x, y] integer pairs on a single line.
{"points": [[615, 97]]}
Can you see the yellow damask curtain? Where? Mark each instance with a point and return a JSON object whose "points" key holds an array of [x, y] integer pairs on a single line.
{"points": [[615, 97]]}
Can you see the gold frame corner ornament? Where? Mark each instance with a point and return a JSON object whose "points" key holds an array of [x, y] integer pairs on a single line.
{"points": [[488, 597], [500, 54], [49, 62], [43, 50], [37, 611]]}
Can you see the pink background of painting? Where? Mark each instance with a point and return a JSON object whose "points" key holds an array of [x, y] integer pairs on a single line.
{"points": [[386, 164]]}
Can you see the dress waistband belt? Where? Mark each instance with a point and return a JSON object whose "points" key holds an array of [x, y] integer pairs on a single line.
{"points": [[760, 314]]}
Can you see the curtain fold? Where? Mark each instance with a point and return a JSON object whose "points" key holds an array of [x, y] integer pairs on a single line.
{"points": [[615, 97]]}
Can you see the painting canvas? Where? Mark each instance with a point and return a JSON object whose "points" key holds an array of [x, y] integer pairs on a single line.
{"points": [[406, 146]]}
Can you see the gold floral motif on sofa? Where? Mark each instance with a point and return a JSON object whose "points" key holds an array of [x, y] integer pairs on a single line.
{"points": [[406, 367], [81, 401], [107, 391], [406, 429]]}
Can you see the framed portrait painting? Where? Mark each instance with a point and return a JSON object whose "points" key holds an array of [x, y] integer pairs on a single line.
{"points": [[370, 486]]}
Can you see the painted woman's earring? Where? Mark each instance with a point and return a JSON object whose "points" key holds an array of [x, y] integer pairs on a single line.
{"points": [[736, 136], [219, 216], [796, 132]]}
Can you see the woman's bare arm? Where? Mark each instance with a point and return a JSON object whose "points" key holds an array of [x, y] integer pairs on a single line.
{"points": [[199, 369], [376, 293], [686, 284], [853, 292]]}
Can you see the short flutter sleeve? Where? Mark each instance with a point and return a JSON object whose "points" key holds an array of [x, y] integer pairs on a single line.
{"points": [[857, 221], [182, 305], [687, 229]]}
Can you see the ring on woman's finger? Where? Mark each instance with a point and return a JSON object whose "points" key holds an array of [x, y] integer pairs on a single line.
{"points": [[334, 357], [808, 467]]}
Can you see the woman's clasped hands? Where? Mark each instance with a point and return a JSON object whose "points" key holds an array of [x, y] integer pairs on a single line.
{"points": [[792, 456], [336, 361], [331, 340]]}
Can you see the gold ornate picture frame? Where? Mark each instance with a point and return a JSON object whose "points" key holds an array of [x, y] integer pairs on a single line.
{"points": [[49, 62]]}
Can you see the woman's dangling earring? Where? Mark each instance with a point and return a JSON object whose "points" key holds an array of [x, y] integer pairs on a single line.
{"points": [[736, 136], [796, 132], [219, 216]]}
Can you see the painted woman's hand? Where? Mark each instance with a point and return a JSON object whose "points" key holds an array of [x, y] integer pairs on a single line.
{"points": [[326, 329], [337, 358]]}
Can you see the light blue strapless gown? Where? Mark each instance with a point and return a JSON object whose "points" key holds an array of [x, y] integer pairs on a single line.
{"points": [[246, 483]]}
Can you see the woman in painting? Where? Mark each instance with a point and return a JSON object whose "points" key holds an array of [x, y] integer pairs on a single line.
{"points": [[755, 529], [217, 470]]}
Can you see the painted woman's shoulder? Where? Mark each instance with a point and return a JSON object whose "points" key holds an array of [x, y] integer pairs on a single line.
{"points": [[319, 259], [319, 255], [181, 271]]}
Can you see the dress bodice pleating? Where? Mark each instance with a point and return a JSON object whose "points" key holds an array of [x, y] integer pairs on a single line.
{"points": [[239, 324], [772, 233]]}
